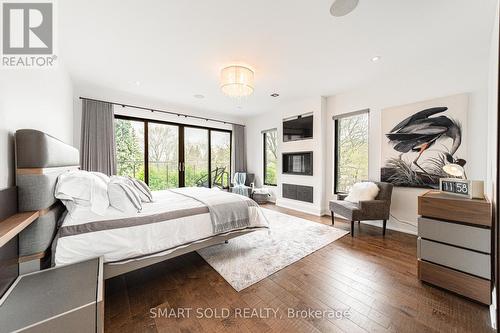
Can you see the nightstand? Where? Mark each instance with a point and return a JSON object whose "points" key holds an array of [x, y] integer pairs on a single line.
{"points": [[61, 299]]}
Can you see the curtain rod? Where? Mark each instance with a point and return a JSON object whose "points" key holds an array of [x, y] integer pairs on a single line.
{"points": [[162, 111]]}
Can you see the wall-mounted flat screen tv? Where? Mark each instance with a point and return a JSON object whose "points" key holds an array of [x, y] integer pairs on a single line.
{"points": [[300, 128]]}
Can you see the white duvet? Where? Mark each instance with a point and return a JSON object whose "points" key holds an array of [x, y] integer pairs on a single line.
{"points": [[121, 245]]}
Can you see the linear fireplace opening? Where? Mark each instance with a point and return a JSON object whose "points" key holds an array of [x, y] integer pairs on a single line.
{"points": [[299, 163]]}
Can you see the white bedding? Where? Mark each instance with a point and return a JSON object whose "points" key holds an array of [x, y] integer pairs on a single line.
{"points": [[121, 245]]}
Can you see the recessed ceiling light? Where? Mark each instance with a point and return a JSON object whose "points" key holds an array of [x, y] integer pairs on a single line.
{"points": [[376, 58], [199, 96], [275, 95], [343, 7]]}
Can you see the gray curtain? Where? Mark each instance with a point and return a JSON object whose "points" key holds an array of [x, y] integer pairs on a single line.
{"points": [[97, 145], [239, 148]]}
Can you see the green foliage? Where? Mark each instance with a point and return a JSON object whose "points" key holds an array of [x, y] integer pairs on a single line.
{"points": [[271, 173], [271, 154], [128, 150], [163, 154], [163, 175], [221, 158], [352, 151]]}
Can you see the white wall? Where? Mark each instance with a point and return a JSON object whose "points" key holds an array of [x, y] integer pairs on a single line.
{"points": [[273, 119], [255, 147], [492, 113], [492, 152], [437, 81], [399, 90], [40, 99]]}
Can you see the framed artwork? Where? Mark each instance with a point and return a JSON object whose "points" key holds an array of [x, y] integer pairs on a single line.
{"points": [[419, 139]]}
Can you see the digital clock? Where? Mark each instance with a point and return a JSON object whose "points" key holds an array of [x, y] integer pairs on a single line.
{"points": [[471, 189]]}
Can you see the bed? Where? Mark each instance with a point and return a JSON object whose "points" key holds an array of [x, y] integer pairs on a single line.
{"points": [[175, 223]]}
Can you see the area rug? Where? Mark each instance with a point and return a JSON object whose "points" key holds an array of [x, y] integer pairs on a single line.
{"points": [[247, 259]]}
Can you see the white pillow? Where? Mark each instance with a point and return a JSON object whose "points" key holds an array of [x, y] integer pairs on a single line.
{"points": [[143, 189], [101, 175], [121, 179], [82, 191], [140, 187], [123, 197], [79, 211], [363, 191]]}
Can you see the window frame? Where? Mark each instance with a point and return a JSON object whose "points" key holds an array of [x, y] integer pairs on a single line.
{"points": [[181, 155], [264, 133], [336, 169]]}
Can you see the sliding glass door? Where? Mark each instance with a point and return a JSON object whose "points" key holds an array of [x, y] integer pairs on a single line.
{"points": [[220, 157], [196, 166], [129, 137], [169, 155], [163, 156]]}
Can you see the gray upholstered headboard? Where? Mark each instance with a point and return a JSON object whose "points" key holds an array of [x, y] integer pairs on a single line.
{"points": [[40, 159]]}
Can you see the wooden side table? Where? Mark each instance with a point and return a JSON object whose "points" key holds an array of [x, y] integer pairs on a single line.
{"points": [[61, 299]]}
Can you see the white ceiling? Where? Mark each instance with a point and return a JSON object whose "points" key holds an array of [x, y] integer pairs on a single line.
{"points": [[177, 48]]}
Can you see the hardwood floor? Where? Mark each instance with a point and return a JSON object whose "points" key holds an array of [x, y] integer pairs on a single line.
{"points": [[371, 276]]}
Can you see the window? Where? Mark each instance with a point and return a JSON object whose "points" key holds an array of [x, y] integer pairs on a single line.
{"points": [[163, 156], [270, 156], [130, 148], [168, 155], [196, 156], [220, 157], [351, 150]]}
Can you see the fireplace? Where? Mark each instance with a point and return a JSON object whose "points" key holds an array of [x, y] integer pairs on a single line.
{"points": [[300, 163]]}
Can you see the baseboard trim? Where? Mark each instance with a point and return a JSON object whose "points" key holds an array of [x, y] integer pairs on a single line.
{"points": [[391, 225], [298, 206]]}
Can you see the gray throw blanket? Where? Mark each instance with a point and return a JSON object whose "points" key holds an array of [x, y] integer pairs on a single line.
{"points": [[228, 211]]}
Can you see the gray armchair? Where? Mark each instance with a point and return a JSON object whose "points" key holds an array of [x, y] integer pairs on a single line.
{"points": [[242, 183], [378, 209]]}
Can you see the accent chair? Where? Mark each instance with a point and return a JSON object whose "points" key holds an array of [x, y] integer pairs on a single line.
{"points": [[378, 209], [243, 183]]}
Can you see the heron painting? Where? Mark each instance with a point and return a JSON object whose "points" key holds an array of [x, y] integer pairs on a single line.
{"points": [[421, 139]]}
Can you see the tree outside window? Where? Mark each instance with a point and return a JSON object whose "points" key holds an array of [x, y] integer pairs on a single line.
{"points": [[351, 151], [162, 145], [270, 157], [129, 136]]}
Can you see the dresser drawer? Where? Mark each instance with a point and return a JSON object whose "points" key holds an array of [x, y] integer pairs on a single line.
{"points": [[464, 284], [467, 261], [435, 204], [478, 239]]}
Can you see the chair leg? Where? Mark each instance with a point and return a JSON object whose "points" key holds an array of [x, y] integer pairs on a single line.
{"points": [[333, 218], [352, 228], [383, 227]]}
